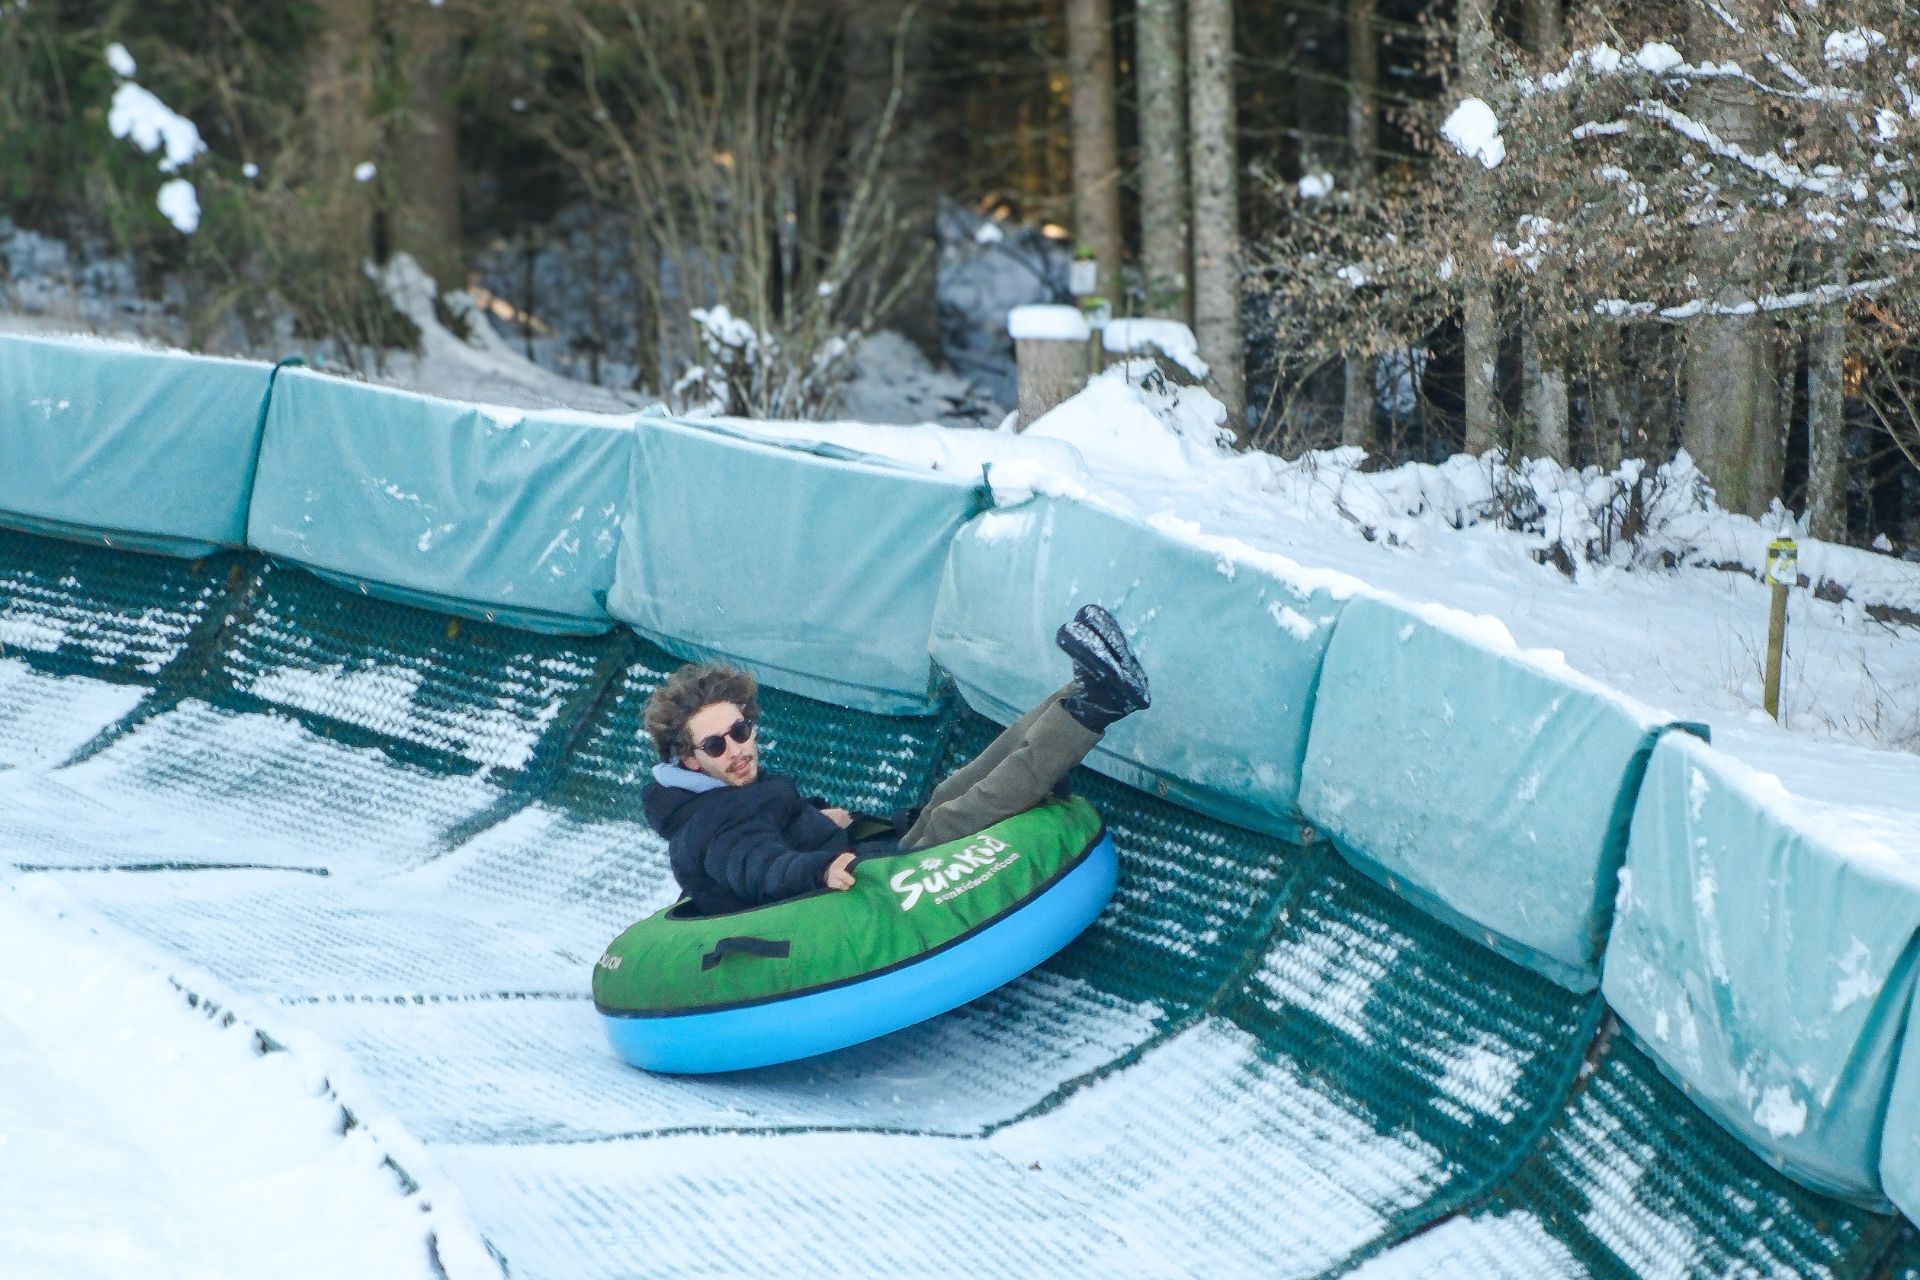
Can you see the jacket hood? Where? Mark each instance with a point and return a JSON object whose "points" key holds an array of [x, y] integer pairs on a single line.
{"points": [[669, 774]]}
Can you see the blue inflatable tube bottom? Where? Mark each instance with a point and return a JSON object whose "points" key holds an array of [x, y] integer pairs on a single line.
{"points": [[801, 1026]]}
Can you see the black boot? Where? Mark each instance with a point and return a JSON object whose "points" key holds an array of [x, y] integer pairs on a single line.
{"points": [[1110, 681]]}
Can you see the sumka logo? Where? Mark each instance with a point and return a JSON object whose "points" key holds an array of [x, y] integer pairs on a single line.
{"points": [[957, 873], [609, 962]]}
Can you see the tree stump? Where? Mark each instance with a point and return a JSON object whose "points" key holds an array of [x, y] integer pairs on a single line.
{"points": [[1050, 345]]}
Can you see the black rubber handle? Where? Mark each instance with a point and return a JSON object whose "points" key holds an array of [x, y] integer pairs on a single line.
{"points": [[770, 948]]}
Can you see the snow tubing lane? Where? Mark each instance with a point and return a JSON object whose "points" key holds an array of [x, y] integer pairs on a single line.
{"points": [[918, 934]]}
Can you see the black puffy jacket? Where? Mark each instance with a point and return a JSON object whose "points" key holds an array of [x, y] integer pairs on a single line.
{"points": [[739, 847]]}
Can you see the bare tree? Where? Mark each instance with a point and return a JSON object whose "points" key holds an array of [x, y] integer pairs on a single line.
{"points": [[423, 143], [1160, 59], [770, 213], [1216, 202], [1363, 140], [1096, 147], [1731, 424], [1479, 322], [1544, 381]]}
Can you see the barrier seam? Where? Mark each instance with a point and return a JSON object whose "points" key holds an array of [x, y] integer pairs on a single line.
{"points": [[188, 670], [576, 720]]}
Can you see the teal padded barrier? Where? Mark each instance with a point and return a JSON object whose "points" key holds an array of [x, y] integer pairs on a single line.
{"points": [[505, 515], [1763, 967], [1232, 647], [1491, 788], [145, 450], [813, 568], [1900, 1141]]}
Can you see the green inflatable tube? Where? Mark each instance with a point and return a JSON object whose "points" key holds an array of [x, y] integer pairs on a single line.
{"points": [[919, 933]]}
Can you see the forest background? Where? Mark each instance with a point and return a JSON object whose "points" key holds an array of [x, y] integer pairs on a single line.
{"points": [[1596, 234]]}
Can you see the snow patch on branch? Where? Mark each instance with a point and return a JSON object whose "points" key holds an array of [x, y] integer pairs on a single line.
{"points": [[1474, 131], [1825, 295]]}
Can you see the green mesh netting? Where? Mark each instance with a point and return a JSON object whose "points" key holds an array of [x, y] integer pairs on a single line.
{"points": [[1396, 1018], [87, 632], [1302, 1011], [1634, 1180], [1195, 897]]}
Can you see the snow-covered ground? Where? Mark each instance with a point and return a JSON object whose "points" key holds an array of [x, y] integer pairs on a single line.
{"points": [[141, 1136], [219, 1160]]}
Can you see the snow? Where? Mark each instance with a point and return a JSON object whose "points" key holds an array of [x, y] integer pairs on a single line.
{"points": [[181, 205], [1170, 338], [147, 1137], [1474, 131], [151, 125], [1658, 57], [1316, 186], [1855, 45], [365, 171], [120, 60], [212, 1153], [1780, 1113], [1047, 323]]}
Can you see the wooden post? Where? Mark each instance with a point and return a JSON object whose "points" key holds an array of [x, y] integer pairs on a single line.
{"points": [[1050, 346], [1783, 569]]}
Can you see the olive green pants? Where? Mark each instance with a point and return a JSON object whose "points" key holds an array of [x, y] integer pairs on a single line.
{"points": [[1017, 771]]}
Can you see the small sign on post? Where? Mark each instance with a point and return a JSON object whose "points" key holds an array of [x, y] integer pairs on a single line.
{"points": [[1783, 571]]}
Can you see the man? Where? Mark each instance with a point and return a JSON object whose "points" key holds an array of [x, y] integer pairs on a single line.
{"points": [[739, 836]]}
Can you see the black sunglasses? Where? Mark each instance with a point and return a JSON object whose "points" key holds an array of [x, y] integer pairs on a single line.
{"points": [[715, 745]]}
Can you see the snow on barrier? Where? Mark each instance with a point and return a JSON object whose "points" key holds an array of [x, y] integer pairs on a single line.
{"points": [[1764, 953], [1231, 638], [813, 566], [503, 514], [1490, 785], [147, 450]]}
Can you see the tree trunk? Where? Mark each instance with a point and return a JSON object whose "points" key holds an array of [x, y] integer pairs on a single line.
{"points": [[1543, 29], [1216, 203], [1606, 393], [1732, 428], [1096, 147], [423, 145], [872, 45], [341, 133], [1546, 399], [1363, 140], [1160, 61], [1480, 331], [1546, 383], [1827, 423]]}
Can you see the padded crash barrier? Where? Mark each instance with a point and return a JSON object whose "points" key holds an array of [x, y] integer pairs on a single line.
{"points": [[128, 447], [412, 830], [502, 514], [815, 570], [1491, 784], [1233, 640], [1771, 973]]}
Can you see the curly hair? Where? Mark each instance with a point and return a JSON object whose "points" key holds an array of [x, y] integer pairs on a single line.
{"points": [[683, 693]]}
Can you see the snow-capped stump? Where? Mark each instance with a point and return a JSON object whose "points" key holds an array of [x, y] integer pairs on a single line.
{"points": [[1050, 344], [1763, 950]]}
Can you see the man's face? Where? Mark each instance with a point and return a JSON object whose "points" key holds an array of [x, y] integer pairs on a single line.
{"points": [[737, 763]]}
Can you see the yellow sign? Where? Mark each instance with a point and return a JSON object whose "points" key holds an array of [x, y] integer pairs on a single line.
{"points": [[1783, 562]]}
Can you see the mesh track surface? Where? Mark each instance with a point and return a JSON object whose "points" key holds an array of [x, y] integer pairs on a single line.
{"points": [[1257, 1063], [86, 633], [328, 731]]}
